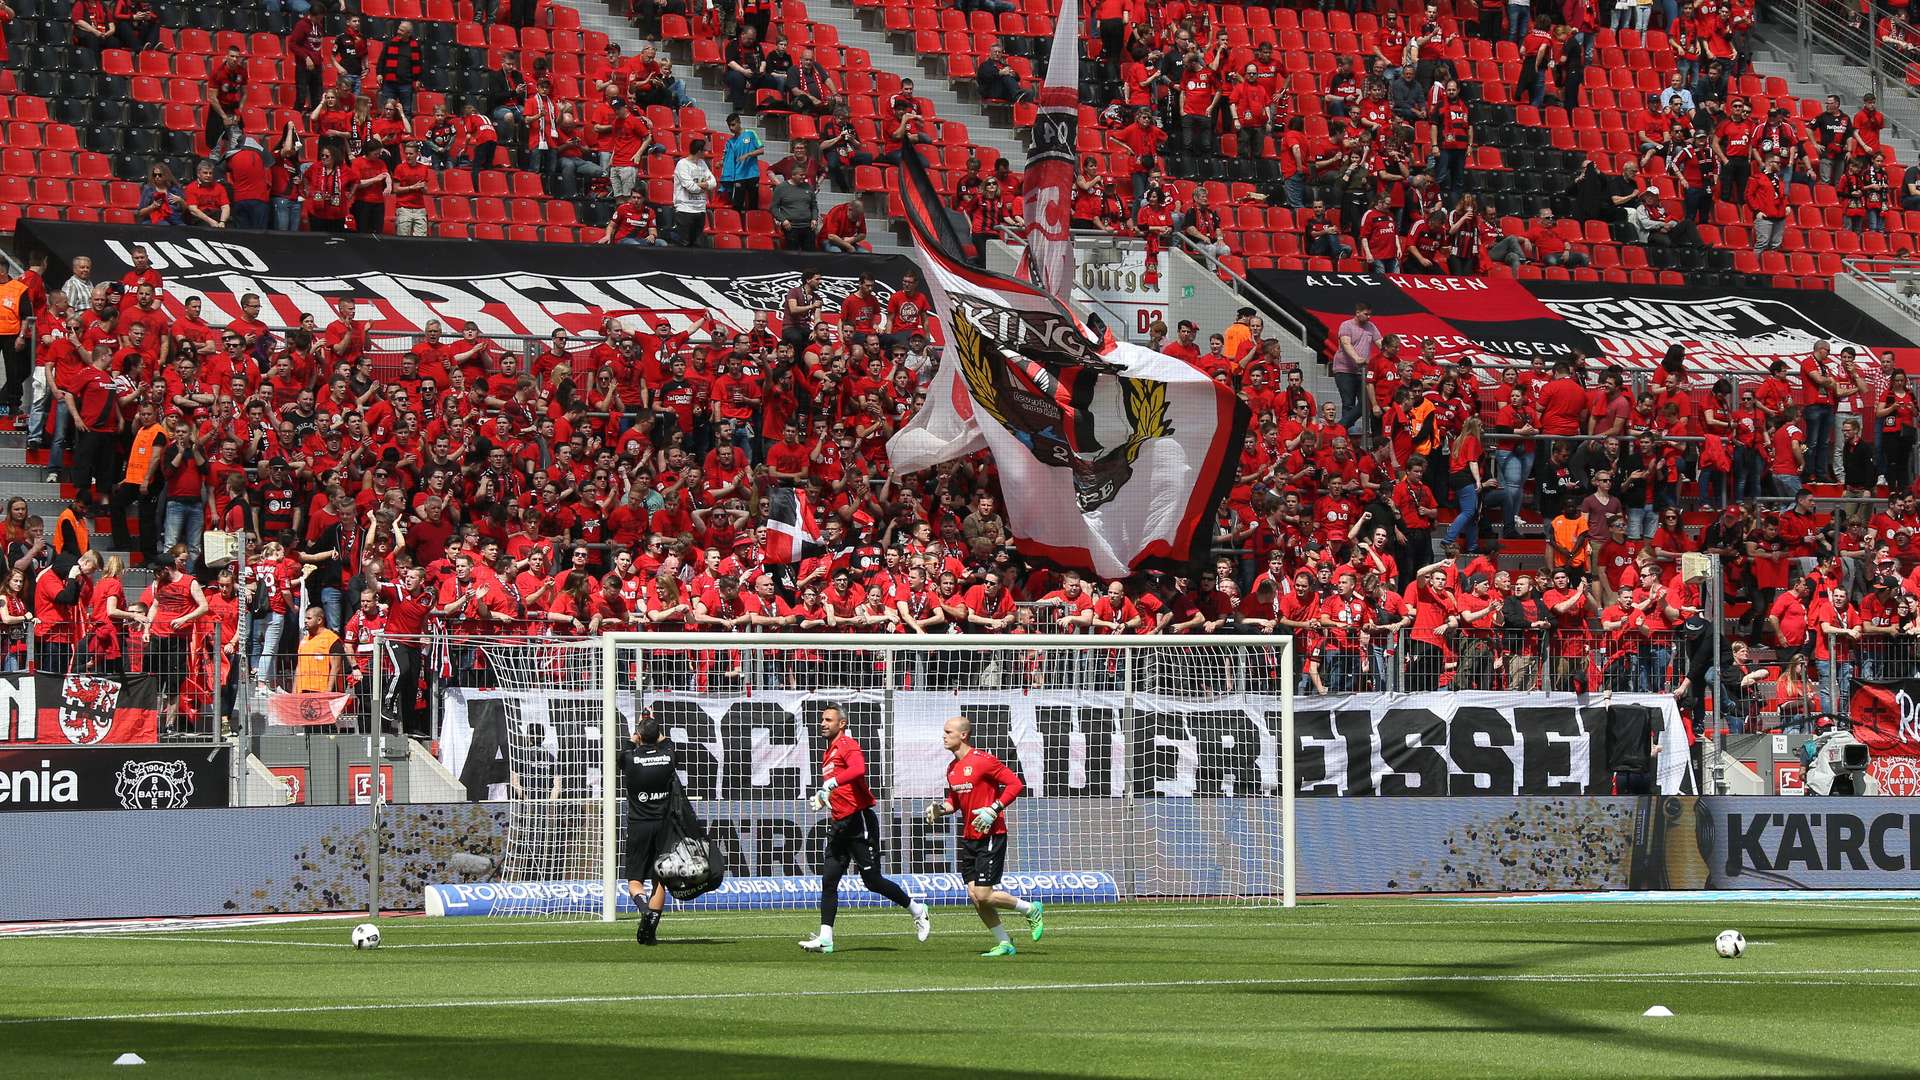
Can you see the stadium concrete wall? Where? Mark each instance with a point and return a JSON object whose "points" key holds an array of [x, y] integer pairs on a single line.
{"points": [[118, 864]]}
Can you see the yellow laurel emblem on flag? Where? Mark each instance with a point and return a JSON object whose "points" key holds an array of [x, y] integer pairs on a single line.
{"points": [[1146, 404], [976, 369]]}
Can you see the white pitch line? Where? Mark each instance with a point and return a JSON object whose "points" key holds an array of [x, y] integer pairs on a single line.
{"points": [[603, 938], [236, 941], [1521, 914], [1777, 978], [189, 935]]}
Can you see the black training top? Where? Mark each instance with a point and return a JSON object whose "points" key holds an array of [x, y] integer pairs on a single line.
{"points": [[648, 772]]}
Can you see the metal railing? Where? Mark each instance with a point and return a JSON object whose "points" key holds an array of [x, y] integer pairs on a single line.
{"points": [[1893, 279], [1828, 30], [194, 701]]}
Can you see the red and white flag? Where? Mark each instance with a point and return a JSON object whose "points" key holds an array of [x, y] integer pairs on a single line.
{"points": [[1112, 458], [792, 532], [306, 709], [1048, 180]]}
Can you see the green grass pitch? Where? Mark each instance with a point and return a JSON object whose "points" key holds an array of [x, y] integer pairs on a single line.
{"points": [[1416, 988]]}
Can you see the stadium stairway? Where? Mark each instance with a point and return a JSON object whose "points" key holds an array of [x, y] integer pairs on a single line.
{"points": [[23, 474], [708, 90], [1773, 55], [930, 81]]}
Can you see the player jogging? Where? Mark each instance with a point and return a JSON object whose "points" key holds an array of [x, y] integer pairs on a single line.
{"points": [[647, 767], [855, 833], [980, 788]]}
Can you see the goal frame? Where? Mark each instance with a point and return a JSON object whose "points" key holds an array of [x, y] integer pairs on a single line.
{"points": [[611, 646]]}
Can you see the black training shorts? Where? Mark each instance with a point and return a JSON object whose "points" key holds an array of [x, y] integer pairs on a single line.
{"points": [[854, 840], [646, 842], [982, 861]]}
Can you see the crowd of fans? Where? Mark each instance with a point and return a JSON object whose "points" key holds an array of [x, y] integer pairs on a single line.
{"points": [[1379, 159], [467, 488], [361, 158], [622, 483]]}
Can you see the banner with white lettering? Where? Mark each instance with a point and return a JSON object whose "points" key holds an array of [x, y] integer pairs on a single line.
{"points": [[1096, 744], [1886, 716], [507, 288], [1502, 319], [113, 777]]}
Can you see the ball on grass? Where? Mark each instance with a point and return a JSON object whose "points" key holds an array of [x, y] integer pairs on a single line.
{"points": [[366, 936], [1730, 944]]}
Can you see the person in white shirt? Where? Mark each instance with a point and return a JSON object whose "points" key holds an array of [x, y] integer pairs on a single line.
{"points": [[692, 182], [79, 287], [919, 359]]}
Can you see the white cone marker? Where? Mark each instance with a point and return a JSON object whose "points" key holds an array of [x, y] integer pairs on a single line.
{"points": [[129, 1058], [1658, 1010]]}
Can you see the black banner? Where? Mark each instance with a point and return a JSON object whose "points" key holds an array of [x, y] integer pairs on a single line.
{"points": [[507, 288], [1632, 325], [114, 778], [1472, 743]]}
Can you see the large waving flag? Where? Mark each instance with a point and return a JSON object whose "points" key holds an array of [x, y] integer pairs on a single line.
{"points": [[1048, 194], [1112, 457]]}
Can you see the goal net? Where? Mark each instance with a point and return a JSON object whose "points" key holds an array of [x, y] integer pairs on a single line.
{"points": [[1154, 768]]}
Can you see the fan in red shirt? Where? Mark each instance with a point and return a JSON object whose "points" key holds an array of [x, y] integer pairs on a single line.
{"points": [[329, 195], [208, 201], [979, 788], [908, 310], [409, 606], [634, 222], [854, 835], [1379, 235], [226, 87]]}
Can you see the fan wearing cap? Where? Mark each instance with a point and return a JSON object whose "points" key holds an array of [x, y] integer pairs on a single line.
{"points": [[1879, 615], [1477, 611]]}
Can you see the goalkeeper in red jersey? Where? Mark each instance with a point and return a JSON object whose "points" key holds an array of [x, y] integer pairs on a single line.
{"points": [[854, 836], [980, 787]]}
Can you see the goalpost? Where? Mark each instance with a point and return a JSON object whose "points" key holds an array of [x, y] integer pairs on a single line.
{"points": [[1156, 768]]}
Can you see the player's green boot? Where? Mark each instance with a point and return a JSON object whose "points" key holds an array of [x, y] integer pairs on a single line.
{"points": [[1034, 916], [1005, 948]]}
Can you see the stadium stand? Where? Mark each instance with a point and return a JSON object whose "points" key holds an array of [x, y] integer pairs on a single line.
{"points": [[1437, 601]]}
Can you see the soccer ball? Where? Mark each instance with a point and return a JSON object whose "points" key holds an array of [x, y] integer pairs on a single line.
{"points": [[367, 936], [1730, 944]]}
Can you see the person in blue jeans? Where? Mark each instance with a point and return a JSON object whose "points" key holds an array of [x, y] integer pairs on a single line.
{"points": [[1513, 458], [1467, 484], [1835, 624], [1819, 390]]}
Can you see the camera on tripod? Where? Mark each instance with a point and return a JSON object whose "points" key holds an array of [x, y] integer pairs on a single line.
{"points": [[1835, 762]]}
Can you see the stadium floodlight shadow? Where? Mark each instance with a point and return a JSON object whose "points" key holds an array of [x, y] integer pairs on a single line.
{"points": [[1782, 932], [1516, 1009], [50, 1050]]}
